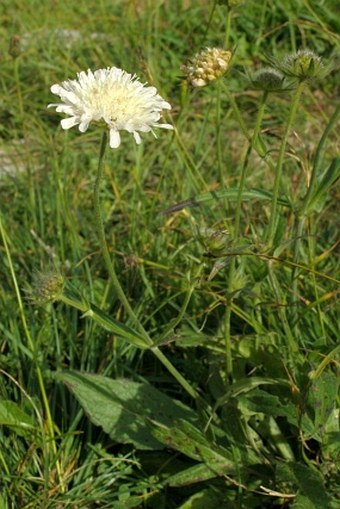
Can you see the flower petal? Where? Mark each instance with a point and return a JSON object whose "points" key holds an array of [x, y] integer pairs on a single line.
{"points": [[114, 138], [67, 123]]}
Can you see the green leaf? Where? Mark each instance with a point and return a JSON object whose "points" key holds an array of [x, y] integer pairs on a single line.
{"points": [[197, 473], [268, 404], [315, 199], [124, 408], [205, 499], [245, 385], [229, 194], [13, 416], [120, 329], [322, 398], [308, 481], [190, 441]]}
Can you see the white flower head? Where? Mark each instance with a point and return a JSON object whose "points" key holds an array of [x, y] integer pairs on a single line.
{"points": [[113, 96]]}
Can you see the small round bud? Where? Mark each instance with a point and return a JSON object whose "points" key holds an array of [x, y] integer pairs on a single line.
{"points": [[214, 241], [268, 80], [14, 49], [207, 66], [46, 287]]}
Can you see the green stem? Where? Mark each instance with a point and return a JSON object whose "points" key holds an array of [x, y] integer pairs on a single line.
{"points": [[227, 319], [103, 244], [318, 156], [273, 213], [218, 131], [227, 29], [258, 144], [171, 368], [114, 279], [237, 112], [252, 143], [281, 311], [90, 311], [31, 345]]}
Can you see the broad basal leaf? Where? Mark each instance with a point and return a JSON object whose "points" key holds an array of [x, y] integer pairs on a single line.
{"points": [[124, 408]]}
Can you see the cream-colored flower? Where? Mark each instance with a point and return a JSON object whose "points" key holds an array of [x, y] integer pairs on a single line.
{"points": [[111, 96], [207, 66]]}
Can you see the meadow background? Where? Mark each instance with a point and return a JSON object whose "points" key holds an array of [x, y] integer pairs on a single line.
{"points": [[89, 417]]}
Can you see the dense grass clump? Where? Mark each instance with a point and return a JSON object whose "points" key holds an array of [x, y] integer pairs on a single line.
{"points": [[168, 319]]}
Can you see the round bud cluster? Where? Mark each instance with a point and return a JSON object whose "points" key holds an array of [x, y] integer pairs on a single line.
{"points": [[207, 66]]}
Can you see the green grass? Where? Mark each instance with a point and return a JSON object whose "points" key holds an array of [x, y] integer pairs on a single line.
{"points": [[234, 401]]}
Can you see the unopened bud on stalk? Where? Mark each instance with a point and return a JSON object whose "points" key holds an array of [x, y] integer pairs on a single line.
{"points": [[207, 66], [214, 241], [303, 65], [268, 80], [14, 49], [46, 287]]}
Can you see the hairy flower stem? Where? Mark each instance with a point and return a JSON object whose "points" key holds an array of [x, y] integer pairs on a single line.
{"points": [[278, 170], [31, 346], [103, 245], [252, 141], [115, 282]]}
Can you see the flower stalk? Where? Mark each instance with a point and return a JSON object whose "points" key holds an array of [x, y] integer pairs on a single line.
{"points": [[279, 166], [227, 319], [115, 281]]}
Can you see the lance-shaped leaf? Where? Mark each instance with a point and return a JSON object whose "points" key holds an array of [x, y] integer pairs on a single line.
{"points": [[226, 194], [124, 408], [190, 441]]}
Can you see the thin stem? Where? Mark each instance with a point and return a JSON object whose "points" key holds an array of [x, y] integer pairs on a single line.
{"points": [[116, 284], [292, 345], [273, 213], [227, 29], [227, 318], [218, 130], [237, 113], [103, 244], [31, 345], [258, 144], [252, 143], [171, 368]]}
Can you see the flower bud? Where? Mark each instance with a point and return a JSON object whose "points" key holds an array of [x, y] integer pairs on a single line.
{"points": [[14, 49], [207, 66], [303, 65], [268, 80], [46, 287], [214, 241]]}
